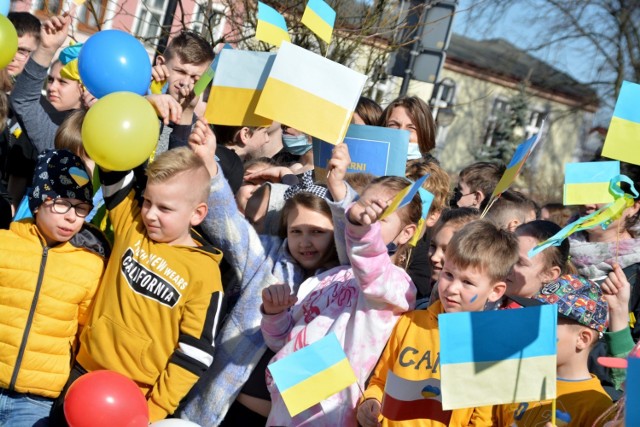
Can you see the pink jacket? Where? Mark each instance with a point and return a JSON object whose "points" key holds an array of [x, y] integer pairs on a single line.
{"points": [[360, 304]]}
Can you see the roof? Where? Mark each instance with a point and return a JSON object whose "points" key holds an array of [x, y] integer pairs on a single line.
{"points": [[501, 58]]}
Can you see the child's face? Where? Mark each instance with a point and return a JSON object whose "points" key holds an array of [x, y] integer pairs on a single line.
{"points": [[309, 237], [182, 74], [27, 43], [168, 211], [466, 289], [391, 227], [59, 227], [527, 275], [437, 248], [63, 94]]}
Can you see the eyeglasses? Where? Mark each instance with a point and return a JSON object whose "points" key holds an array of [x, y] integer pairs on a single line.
{"points": [[61, 206], [457, 195], [23, 53]]}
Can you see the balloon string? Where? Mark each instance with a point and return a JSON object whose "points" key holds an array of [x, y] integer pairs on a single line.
{"points": [[618, 239]]}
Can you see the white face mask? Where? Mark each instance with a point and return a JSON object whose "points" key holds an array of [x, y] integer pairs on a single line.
{"points": [[414, 151]]}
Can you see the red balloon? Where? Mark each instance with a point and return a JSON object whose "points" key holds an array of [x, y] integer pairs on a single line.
{"points": [[105, 399]]}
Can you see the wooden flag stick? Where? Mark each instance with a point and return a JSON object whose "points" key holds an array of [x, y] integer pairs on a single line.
{"points": [[553, 412]]}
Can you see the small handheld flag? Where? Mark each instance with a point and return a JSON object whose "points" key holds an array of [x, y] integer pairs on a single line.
{"points": [[312, 374], [518, 346], [623, 138], [319, 18], [310, 93], [588, 182], [272, 28], [236, 88], [404, 197], [632, 406]]}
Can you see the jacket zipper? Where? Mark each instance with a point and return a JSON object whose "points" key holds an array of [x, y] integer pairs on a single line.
{"points": [[34, 303]]}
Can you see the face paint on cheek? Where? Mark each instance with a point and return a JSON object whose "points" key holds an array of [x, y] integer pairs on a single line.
{"points": [[475, 297]]}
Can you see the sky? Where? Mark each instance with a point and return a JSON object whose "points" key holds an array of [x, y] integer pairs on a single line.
{"points": [[516, 28]]}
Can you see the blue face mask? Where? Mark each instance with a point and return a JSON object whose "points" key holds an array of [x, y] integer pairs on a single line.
{"points": [[296, 145], [414, 151]]}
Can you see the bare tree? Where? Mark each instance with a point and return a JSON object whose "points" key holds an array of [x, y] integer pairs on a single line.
{"points": [[607, 32]]}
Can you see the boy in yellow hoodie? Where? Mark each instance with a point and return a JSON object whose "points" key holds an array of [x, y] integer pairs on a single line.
{"points": [[477, 261], [158, 310]]}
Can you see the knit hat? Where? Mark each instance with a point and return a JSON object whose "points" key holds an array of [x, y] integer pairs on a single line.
{"points": [[60, 174], [578, 299]]}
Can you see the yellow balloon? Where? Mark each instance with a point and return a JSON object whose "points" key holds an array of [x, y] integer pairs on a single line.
{"points": [[120, 131], [8, 41]]}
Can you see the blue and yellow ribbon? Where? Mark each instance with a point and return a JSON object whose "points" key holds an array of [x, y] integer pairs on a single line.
{"points": [[602, 217]]}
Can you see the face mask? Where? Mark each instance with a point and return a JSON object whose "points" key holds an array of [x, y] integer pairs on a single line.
{"points": [[296, 145], [414, 151]]}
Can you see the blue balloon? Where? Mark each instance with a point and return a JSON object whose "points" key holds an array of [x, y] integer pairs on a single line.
{"points": [[114, 61], [4, 7]]}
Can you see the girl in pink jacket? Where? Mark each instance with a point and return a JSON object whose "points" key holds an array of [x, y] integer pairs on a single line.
{"points": [[360, 303]]}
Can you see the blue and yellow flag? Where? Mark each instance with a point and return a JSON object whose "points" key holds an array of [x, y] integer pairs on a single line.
{"points": [[312, 374], [518, 347], [515, 165], [588, 182], [272, 28], [623, 138], [319, 18]]}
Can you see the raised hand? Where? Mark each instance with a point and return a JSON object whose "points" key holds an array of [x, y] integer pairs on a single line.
{"points": [[277, 298], [338, 165], [203, 142]]}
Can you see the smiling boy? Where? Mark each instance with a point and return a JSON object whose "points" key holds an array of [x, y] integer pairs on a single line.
{"points": [[478, 259], [158, 312]]}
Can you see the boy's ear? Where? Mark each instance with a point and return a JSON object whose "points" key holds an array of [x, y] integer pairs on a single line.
{"points": [[497, 291], [406, 234], [478, 198], [160, 60], [585, 337], [199, 213], [551, 274], [244, 135], [432, 218]]}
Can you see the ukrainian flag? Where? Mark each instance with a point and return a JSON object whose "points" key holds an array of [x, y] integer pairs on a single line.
{"points": [[498, 357], [623, 137], [517, 161], [319, 18], [237, 85], [272, 27], [588, 182], [312, 374], [311, 93]]}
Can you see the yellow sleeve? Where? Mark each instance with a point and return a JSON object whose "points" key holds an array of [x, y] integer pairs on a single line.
{"points": [[193, 354], [482, 416]]}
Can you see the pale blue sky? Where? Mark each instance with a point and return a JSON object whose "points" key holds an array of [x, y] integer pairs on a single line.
{"points": [[516, 28]]}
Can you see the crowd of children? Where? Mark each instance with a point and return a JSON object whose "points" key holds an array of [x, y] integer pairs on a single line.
{"points": [[221, 254]]}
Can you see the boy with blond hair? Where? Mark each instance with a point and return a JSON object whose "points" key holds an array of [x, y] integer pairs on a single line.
{"points": [[478, 260], [582, 319], [158, 311]]}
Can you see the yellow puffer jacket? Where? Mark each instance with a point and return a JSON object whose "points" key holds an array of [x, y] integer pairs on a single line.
{"points": [[45, 293]]}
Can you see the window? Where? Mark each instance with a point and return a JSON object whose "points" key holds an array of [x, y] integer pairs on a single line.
{"points": [[209, 24], [499, 111], [535, 123], [150, 15], [46, 8], [91, 15]]}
